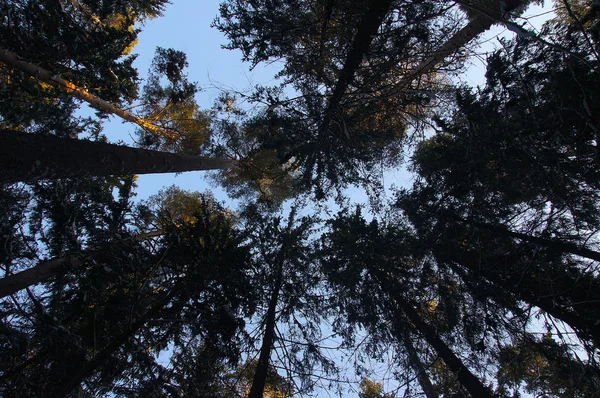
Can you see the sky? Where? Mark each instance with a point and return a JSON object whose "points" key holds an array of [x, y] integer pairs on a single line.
{"points": [[185, 26]]}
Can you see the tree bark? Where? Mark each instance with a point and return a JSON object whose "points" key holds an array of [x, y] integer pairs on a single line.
{"points": [[262, 368], [11, 59], [41, 272], [367, 28], [467, 379], [417, 365], [476, 26], [31, 157]]}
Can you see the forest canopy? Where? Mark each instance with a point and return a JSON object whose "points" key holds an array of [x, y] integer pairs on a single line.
{"points": [[477, 277]]}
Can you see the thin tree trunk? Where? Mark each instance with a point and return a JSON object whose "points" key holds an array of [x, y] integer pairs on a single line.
{"points": [[49, 268], [30, 157], [14, 61], [69, 383], [40, 273], [418, 367], [479, 24], [149, 235], [262, 368], [373, 18], [467, 379]]}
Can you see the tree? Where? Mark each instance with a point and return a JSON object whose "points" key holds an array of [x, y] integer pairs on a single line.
{"points": [[546, 367], [30, 157], [182, 126], [519, 207], [369, 267], [13, 60], [132, 303], [65, 37], [289, 322], [342, 48]]}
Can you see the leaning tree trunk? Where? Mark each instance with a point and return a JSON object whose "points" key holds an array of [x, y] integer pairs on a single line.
{"points": [[367, 29], [40, 273], [260, 376], [552, 244], [30, 157], [467, 379], [479, 24], [418, 367], [539, 294], [14, 61]]}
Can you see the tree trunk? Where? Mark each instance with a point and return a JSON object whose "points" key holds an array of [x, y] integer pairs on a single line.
{"points": [[467, 379], [368, 27], [41, 272], [479, 24], [553, 244], [262, 368], [11, 59], [30, 157], [418, 367]]}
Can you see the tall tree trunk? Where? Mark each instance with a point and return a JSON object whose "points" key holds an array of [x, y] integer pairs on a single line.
{"points": [[467, 379], [417, 365], [367, 29], [476, 26], [68, 384], [30, 157], [40, 273], [262, 368], [14, 61]]}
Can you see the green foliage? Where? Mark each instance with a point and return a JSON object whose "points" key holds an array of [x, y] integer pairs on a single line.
{"points": [[348, 123], [182, 126], [546, 367]]}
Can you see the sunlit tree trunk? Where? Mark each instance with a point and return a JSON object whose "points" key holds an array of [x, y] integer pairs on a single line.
{"points": [[12, 60], [30, 157], [476, 26]]}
